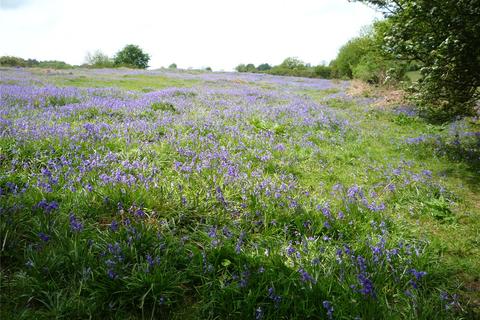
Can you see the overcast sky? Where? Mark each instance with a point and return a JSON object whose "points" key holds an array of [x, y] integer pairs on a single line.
{"points": [[192, 33]]}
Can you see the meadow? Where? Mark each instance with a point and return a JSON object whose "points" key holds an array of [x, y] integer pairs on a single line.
{"points": [[128, 194]]}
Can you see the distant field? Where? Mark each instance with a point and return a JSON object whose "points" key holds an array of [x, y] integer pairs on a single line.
{"points": [[174, 195]]}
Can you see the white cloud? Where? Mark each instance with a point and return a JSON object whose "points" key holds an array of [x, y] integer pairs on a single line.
{"points": [[215, 33]]}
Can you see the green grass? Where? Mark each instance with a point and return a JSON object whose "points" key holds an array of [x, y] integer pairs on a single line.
{"points": [[144, 83]]}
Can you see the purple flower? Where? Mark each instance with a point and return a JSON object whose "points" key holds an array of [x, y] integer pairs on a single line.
{"points": [[226, 232], [238, 247], [75, 224], [290, 250], [44, 237], [114, 226], [213, 232], [366, 285], [418, 274], [48, 207], [305, 276], [328, 306], [275, 298], [112, 274]]}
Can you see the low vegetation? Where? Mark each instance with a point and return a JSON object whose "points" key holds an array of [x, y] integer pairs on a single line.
{"points": [[231, 199]]}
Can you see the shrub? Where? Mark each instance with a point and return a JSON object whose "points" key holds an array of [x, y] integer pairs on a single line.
{"points": [[10, 61], [322, 71], [132, 56], [444, 36], [264, 67], [98, 60]]}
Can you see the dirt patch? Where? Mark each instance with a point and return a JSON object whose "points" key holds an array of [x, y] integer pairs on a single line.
{"points": [[386, 96]]}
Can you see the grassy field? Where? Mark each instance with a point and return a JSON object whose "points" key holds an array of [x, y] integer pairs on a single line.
{"points": [[154, 194]]}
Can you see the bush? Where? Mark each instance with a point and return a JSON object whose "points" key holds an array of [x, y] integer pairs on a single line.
{"points": [[172, 66], [444, 37], [98, 60], [246, 68], [322, 71], [10, 61], [132, 56], [54, 64], [264, 67]]}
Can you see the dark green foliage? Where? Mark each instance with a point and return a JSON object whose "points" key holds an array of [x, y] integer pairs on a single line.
{"points": [[172, 66], [10, 61], [264, 67], [163, 106], [289, 67], [132, 56], [246, 68], [364, 58], [54, 64], [322, 71], [444, 36]]}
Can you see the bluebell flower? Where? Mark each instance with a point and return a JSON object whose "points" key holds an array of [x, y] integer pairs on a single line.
{"points": [[328, 306], [44, 237], [75, 224]]}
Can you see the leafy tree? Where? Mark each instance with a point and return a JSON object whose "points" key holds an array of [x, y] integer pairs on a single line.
{"points": [[246, 68], [350, 55], [172, 66], [292, 63], [241, 67], [250, 68], [98, 60], [132, 56], [444, 36], [264, 67], [32, 62], [10, 61]]}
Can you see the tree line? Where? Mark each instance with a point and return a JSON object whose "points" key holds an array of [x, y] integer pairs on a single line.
{"points": [[131, 56]]}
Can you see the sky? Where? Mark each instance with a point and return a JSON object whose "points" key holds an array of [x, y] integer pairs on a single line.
{"points": [[191, 33]]}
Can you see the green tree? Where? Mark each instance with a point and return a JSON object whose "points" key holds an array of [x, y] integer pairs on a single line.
{"points": [[264, 67], [444, 36], [98, 59], [132, 56], [10, 61], [172, 66], [292, 63], [350, 55]]}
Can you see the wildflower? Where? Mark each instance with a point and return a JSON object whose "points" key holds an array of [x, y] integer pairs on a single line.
{"points": [[259, 313], [44, 237], [366, 284], [238, 247], [305, 276], [114, 226], [290, 250], [112, 274], [75, 224], [328, 306], [47, 207], [226, 232], [275, 298]]}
